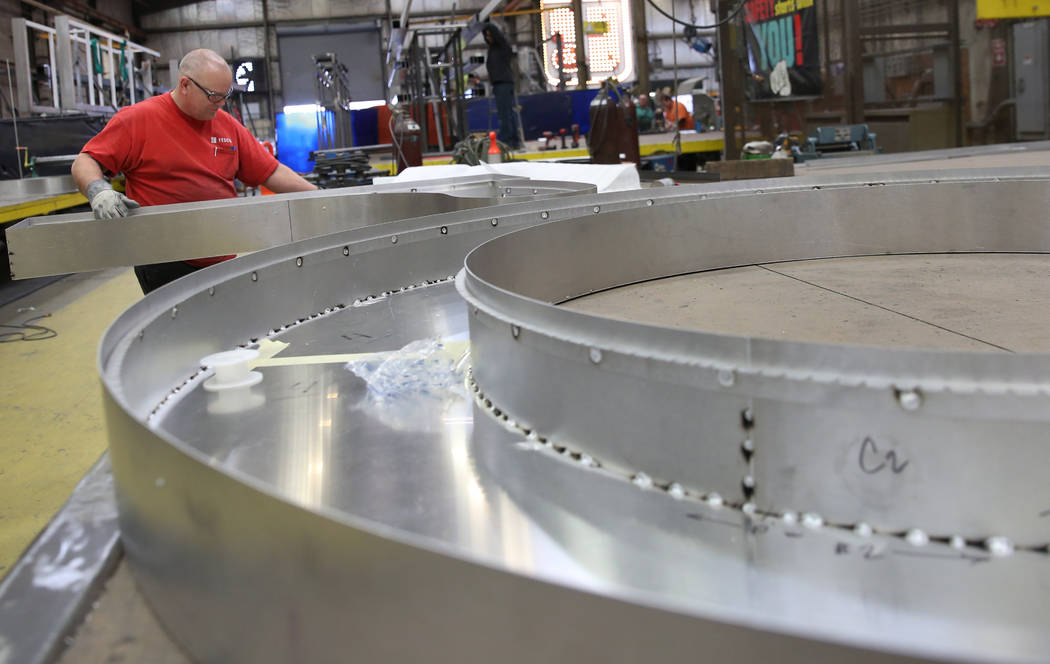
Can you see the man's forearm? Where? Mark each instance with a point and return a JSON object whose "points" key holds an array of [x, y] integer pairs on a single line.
{"points": [[85, 170], [284, 180]]}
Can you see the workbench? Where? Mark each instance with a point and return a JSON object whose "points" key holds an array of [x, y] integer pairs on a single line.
{"points": [[692, 142]]}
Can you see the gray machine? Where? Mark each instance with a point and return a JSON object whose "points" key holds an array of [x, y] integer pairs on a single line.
{"points": [[1030, 66]]}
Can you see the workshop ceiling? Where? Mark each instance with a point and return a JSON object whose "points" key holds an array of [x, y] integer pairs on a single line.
{"points": [[150, 6]]}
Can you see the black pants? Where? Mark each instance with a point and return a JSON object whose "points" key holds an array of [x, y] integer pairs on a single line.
{"points": [[152, 277], [508, 122]]}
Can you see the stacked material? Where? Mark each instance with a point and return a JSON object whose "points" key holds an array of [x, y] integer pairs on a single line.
{"points": [[341, 168]]}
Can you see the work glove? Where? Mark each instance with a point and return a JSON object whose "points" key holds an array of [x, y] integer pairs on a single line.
{"points": [[107, 203]]}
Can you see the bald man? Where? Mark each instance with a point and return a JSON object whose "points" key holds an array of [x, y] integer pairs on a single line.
{"points": [[178, 148]]}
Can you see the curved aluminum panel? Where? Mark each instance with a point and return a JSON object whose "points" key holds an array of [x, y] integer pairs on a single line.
{"points": [[310, 517], [784, 427]]}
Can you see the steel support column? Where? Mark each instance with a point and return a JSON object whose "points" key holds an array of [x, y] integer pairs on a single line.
{"points": [[266, 70], [957, 101], [22, 80], [641, 44], [729, 44], [852, 50], [583, 72], [64, 58]]}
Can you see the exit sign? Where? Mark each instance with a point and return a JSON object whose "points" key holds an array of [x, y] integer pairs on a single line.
{"points": [[988, 9]]}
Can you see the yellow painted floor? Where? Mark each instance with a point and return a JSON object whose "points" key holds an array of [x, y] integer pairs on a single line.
{"points": [[51, 424]]}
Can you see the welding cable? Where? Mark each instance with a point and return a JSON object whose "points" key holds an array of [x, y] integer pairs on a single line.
{"points": [[394, 141], [727, 19], [35, 332]]}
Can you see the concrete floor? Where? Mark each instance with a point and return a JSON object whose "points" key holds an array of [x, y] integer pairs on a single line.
{"points": [[51, 400], [980, 302], [121, 628]]}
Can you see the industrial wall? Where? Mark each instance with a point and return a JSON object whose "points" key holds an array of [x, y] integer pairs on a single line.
{"points": [[670, 55], [910, 71], [241, 28], [237, 26]]}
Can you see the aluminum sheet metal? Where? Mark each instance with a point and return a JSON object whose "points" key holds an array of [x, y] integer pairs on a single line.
{"points": [[14, 192], [61, 244], [584, 489]]}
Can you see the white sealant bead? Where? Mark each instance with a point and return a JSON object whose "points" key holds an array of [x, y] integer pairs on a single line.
{"points": [[916, 537], [676, 491], [642, 480], [790, 518], [812, 520], [748, 445], [862, 529], [587, 461], [748, 508], [999, 546], [532, 435], [957, 542], [749, 481], [714, 500]]}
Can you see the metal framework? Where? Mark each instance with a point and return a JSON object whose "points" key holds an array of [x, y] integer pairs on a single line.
{"points": [[333, 97], [608, 490], [74, 50], [434, 83], [432, 76]]}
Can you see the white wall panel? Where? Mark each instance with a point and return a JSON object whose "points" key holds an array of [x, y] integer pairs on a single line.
{"points": [[226, 11]]}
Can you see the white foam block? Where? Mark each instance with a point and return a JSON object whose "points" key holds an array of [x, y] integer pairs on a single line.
{"points": [[605, 177]]}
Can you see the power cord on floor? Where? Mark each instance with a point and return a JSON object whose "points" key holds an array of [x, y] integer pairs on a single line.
{"points": [[26, 331]]}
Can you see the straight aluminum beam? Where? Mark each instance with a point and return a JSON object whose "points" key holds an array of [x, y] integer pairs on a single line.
{"points": [[78, 242], [63, 244]]}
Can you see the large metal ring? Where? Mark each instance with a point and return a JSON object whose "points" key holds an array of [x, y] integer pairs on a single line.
{"points": [[896, 439]]}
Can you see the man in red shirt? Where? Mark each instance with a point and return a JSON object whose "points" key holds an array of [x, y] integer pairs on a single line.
{"points": [[179, 147]]}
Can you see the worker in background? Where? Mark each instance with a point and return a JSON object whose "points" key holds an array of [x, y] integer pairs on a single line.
{"points": [[178, 147], [644, 109], [675, 114], [474, 86], [501, 76]]}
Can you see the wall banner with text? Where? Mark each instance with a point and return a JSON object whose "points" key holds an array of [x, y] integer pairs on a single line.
{"points": [[783, 48]]}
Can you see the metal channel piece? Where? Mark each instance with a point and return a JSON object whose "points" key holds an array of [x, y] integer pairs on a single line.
{"points": [[61, 244], [318, 518]]}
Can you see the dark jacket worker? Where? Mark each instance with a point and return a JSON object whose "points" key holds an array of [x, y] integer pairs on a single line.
{"points": [[501, 76]]}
